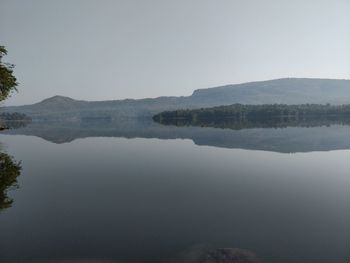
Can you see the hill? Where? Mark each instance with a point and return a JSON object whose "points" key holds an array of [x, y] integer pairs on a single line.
{"points": [[280, 91], [284, 91]]}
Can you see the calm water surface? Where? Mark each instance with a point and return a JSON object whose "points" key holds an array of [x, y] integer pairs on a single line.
{"points": [[151, 200]]}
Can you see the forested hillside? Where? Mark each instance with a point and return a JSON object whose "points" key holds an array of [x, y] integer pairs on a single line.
{"points": [[250, 112]]}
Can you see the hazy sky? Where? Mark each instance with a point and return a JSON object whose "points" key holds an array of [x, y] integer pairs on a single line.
{"points": [[97, 50]]}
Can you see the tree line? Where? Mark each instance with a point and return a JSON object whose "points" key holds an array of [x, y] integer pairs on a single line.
{"points": [[254, 112]]}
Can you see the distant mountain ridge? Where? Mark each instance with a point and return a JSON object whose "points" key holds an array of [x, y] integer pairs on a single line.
{"points": [[282, 91]]}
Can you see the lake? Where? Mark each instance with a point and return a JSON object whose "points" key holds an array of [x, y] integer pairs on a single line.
{"points": [[143, 192]]}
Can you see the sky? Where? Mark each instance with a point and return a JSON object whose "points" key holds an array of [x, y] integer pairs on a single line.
{"points": [[110, 49]]}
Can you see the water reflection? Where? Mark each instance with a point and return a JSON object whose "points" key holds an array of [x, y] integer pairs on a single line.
{"points": [[10, 169], [282, 135], [149, 201], [6, 124], [278, 122]]}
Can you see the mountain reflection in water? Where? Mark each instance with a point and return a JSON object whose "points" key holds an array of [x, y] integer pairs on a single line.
{"points": [[170, 201], [279, 135]]}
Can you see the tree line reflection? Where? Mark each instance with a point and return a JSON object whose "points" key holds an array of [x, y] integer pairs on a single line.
{"points": [[278, 122], [10, 170]]}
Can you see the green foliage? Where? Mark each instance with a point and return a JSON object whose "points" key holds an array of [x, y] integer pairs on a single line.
{"points": [[8, 81], [9, 172]]}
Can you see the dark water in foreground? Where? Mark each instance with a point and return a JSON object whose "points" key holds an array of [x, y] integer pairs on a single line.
{"points": [[115, 199]]}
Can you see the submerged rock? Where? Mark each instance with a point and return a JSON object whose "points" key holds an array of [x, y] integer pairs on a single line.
{"points": [[202, 253], [230, 255]]}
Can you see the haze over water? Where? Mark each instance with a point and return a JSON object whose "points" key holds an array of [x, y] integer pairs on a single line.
{"points": [[175, 131], [153, 200]]}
